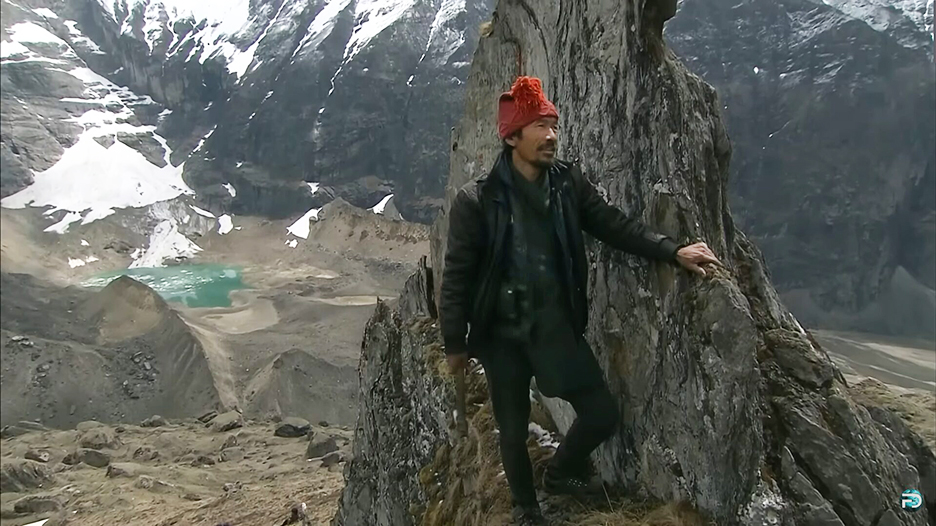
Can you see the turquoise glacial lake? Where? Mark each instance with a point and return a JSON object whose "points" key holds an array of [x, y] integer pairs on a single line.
{"points": [[202, 285]]}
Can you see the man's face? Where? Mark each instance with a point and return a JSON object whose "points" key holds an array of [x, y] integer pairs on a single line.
{"points": [[537, 142]]}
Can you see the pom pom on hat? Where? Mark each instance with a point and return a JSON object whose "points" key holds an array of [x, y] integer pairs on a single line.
{"points": [[522, 105]]}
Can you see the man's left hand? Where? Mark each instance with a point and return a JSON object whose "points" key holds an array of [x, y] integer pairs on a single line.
{"points": [[693, 256]]}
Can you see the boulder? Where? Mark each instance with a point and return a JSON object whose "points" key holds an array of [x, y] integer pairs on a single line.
{"points": [[92, 457], [88, 424], [230, 441], [37, 504], [232, 454], [23, 475], [321, 446], [100, 437], [293, 427], [331, 459], [145, 452], [39, 455], [227, 421], [154, 421]]}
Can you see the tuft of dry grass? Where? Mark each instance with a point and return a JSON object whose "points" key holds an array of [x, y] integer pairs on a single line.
{"points": [[487, 28], [626, 513]]}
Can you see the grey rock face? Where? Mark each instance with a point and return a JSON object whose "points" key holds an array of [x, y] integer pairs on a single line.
{"points": [[834, 161], [401, 424], [727, 403]]}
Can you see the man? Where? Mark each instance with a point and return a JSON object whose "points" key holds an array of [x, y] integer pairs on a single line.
{"points": [[516, 273]]}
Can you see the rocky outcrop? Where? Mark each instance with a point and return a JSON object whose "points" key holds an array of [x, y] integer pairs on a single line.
{"points": [[834, 170], [727, 402]]}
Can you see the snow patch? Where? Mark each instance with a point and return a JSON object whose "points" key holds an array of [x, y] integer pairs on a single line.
{"points": [[12, 49], [205, 138], [313, 187], [379, 207], [45, 12], [322, 25], [292, 243], [302, 226], [85, 243], [230, 189], [202, 212], [225, 224], [75, 263], [91, 259], [888, 15], [62, 226], [166, 242], [94, 179], [543, 438], [34, 34], [371, 17], [78, 37]]}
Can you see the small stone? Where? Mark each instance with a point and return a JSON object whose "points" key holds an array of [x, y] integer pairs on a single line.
{"points": [[147, 366], [232, 454], [293, 428], [39, 455], [192, 497], [72, 409], [31, 426], [154, 421], [122, 469], [232, 487], [147, 482], [323, 423], [230, 441], [331, 459], [319, 447], [227, 421], [203, 460], [145, 453]]}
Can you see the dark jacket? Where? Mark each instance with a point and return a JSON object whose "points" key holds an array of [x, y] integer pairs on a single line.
{"points": [[479, 226]]}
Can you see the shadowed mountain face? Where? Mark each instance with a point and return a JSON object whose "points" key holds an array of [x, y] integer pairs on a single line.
{"points": [[830, 106]]}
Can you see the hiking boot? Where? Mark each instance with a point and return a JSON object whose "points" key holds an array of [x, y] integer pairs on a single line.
{"points": [[557, 483], [529, 516]]}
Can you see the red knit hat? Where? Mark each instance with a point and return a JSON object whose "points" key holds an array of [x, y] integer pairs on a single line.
{"points": [[522, 105]]}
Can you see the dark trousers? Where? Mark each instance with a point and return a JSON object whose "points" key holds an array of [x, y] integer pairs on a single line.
{"points": [[508, 372]]}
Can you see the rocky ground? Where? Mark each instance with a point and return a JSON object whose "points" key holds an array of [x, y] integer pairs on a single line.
{"points": [[223, 470]]}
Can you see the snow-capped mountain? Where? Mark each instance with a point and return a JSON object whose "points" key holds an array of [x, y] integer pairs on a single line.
{"points": [[264, 97], [831, 107]]}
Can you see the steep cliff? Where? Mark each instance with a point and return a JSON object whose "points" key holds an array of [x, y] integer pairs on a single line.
{"points": [[727, 402]]}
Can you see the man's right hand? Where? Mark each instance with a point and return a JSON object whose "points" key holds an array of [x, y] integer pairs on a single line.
{"points": [[457, 362]]}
